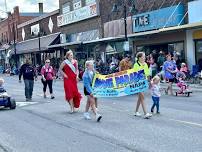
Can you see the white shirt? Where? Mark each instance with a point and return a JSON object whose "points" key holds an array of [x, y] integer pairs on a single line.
{"points": [[155, 90]]}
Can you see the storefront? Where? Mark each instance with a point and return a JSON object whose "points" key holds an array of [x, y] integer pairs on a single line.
{"points": [[197, 36], [148, 37], [37, 49]]}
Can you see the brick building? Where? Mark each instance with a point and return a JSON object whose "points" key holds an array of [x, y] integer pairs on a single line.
{"points": [[102, 34], [7, 26], [36, 35]]}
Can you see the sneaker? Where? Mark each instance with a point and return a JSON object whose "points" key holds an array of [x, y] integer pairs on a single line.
{"points": [[137, 114], [76, 109], [147, 116], [87, 116], [44, 96], [152, 110], [98, 117], [52, 97]]}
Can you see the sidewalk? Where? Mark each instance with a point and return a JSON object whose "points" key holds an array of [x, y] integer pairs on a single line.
{"points": [[194, 87]]}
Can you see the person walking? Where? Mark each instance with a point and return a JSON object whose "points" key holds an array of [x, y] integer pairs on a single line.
{"points": [[29, 74], [69, 70], [156, 93], [48, 75], [88, 91], [141, 65], [170, 69]]}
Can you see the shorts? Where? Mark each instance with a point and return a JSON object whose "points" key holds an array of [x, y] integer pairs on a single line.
{"points": [[171, 80], [86, 93]]}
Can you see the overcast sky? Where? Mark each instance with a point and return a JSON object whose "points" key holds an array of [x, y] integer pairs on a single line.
{"points": [[28, 5]]}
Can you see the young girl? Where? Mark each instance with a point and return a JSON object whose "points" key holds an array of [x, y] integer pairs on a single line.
{"points": [[141, 65], [155, 92], [87, 80]]}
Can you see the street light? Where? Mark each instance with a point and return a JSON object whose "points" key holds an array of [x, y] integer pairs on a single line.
{"points": [[118, 7]]}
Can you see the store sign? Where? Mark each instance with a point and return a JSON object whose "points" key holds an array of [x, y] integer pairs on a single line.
{"points": [[194, 11], [35, 29], [166, 17], [141, 20], [78, 15]]}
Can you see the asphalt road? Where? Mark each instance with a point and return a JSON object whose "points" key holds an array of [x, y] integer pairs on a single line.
{"points": [[44, 125]]}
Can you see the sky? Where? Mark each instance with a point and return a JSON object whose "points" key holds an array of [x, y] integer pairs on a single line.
{"points": [[28, 5]]}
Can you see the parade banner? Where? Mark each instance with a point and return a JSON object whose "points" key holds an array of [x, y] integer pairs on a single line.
{"points": [[119, 84]]}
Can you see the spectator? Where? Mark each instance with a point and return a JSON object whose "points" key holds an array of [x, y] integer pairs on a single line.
{"points": [[125, 63]]}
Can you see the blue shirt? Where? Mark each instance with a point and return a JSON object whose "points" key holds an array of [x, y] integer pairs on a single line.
{"points": [[171, 65]]}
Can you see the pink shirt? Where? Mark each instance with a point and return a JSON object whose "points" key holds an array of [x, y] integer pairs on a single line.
{"points": [[48, 72], [184, 69]]}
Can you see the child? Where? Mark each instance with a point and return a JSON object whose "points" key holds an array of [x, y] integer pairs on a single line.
{"points": [[87, 80], [155, 92], [3, 92]]}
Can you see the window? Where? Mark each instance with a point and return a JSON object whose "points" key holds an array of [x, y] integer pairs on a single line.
{"points": [[65, 8], [198, 50], [88, 2]]}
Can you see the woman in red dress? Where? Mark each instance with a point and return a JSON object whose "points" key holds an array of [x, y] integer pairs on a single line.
{"points": [[69, 69]]}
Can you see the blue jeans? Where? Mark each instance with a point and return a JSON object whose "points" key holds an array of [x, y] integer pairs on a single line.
{"points": [[29, 85], [155, 103]]}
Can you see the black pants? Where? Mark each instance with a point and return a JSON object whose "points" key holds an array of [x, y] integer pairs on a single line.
{"points": [[50, 85]]}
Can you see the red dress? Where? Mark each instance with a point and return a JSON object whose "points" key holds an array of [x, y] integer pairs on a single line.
{"points": [[70, 85]]}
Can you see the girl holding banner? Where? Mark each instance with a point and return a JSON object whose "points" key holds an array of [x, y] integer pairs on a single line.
{"points": [[69, 69], [141, 65], [88, 91]]}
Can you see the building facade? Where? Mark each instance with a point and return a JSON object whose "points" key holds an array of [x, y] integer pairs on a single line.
{"points": [[8, 32], [36, 35]]}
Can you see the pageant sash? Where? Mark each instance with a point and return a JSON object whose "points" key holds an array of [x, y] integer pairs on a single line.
{"points": [[72, 67]]}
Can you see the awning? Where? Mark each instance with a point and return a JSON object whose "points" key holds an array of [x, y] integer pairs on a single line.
{"points": [[32, 45], [65, 44], [143, 33], [105, 40], [182, 27]]}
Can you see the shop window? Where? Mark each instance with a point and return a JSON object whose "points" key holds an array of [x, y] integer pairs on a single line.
{"points": [[198, 50], [88, 2], [65, 8]]}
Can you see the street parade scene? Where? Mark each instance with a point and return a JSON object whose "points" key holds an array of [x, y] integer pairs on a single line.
{"points": [[100, 76]]}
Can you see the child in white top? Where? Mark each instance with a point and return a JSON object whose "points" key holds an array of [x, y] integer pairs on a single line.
{"points": [[155, 92]]}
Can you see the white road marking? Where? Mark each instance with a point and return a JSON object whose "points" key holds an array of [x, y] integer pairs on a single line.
{"points": [[22, 104], [187, 122]]}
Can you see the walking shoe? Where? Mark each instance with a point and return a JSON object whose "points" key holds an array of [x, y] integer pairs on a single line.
{"points": [[44, 96], [76, 109], [27, 99], [52, 97], [158, 112], [87, 116], [147, 116], [152, 110], [137, 114], [98, 117]]}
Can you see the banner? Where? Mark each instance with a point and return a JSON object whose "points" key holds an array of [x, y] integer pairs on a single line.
{"points": [[119, 84]]}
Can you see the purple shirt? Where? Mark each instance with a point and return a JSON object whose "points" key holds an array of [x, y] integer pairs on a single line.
{"points": [[171, 65]]}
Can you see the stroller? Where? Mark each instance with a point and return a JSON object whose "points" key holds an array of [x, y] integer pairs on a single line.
{"points": [[183, 87]]}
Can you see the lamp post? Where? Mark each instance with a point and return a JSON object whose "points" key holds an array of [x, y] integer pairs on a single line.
{"points": [[117, 7], [14, 44]]}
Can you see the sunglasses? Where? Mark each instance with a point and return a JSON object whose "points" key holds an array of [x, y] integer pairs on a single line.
{"points": [[47, 62]]}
